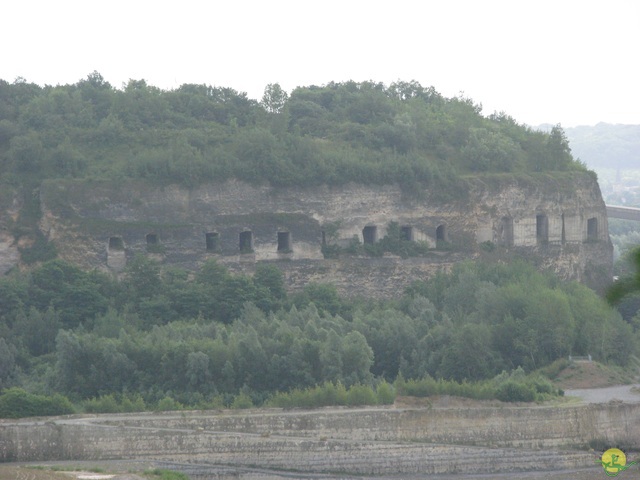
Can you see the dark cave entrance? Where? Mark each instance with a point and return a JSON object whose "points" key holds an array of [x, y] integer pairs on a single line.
{"points": [[370, 234]]}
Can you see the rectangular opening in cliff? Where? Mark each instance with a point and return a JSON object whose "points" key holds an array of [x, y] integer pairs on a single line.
{"points": [[245, 241], [116, 243], [564, 233], [370, 234], [284, 242], [542, 229], [505, 234], [441, 233], [212, 240], [406, 233], [592, 229], [152, 239]]}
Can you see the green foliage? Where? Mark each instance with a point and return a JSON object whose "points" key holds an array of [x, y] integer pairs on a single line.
{"points": [[168, 404], [511, 391], [329, 394], [40, 250], [161, 339], [385, 393], [164, 474], [7, 363], [113, 403], [341, 132], [17, 403], [242, 401], [324, 296], [629, 284], [394, 242], [428, 387]]}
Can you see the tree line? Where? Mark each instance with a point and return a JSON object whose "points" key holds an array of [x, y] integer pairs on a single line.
{"points": [[161, 333], [331, 134]]}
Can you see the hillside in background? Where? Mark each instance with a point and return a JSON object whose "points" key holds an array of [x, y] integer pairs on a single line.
{"points": [[613, 152], [606, 146]]}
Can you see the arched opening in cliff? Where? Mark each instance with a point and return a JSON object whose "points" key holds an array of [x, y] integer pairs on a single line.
{"points": [[370, 234], [406, 233], [542, 229], [152, 239], [212, 240], [592, 229], [116, 243], [505, 234], [246, 241], [441, 233], [284, 242]]}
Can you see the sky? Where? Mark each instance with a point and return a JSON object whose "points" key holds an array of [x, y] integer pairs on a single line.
{"points": [[567, 62]]}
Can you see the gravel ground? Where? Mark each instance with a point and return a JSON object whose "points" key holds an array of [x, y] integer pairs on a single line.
{"points": [[624, 393]]}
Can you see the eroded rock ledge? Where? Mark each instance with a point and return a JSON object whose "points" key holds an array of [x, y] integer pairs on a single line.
{"points": [[559, 222], [368, 441]]}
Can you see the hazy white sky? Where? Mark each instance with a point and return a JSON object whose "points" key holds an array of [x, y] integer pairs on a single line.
{"points": [[574, 62]]}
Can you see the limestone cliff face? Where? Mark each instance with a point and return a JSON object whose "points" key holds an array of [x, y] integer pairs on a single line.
{"points": [[559, 223], [10, 206]]}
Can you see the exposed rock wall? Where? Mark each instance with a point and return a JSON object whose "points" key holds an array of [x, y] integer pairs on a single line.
{"points": [[368, 441], [10, 206], [560, 223]]}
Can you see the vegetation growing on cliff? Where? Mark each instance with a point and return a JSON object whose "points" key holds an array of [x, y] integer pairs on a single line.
{"points": [[159, 337], [365, 132]]}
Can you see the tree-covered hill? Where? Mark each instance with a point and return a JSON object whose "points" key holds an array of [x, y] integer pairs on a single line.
{"points": [[163, 333], [336, 133]]}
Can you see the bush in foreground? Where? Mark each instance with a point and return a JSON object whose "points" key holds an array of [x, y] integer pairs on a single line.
{"points": [[17, 403]]}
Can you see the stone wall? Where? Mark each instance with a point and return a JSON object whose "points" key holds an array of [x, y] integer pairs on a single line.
{"points": [[373, 441]]}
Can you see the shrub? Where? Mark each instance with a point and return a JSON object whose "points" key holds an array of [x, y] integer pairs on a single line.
{"points": [[361, 395], [385, 394], [167, 474], [168, 404], [17, 403], [104, 404], [114, 404], [242, 400], [511, 391]]}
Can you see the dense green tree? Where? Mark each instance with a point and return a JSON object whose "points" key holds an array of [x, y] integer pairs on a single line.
{"points": [[7, 363], [75, 295], [357, 359], [324, 296], [469, 356], [274, 98], [143, 278], [629, 284], [37, 331]]}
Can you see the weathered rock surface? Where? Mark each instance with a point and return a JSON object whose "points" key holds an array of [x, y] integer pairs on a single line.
{"points": [[558, 222], [372, 441]]}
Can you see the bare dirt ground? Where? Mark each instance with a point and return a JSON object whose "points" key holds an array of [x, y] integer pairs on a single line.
{"points": [[583, 374], [24, 472], [619, 393], [122, 470]]}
